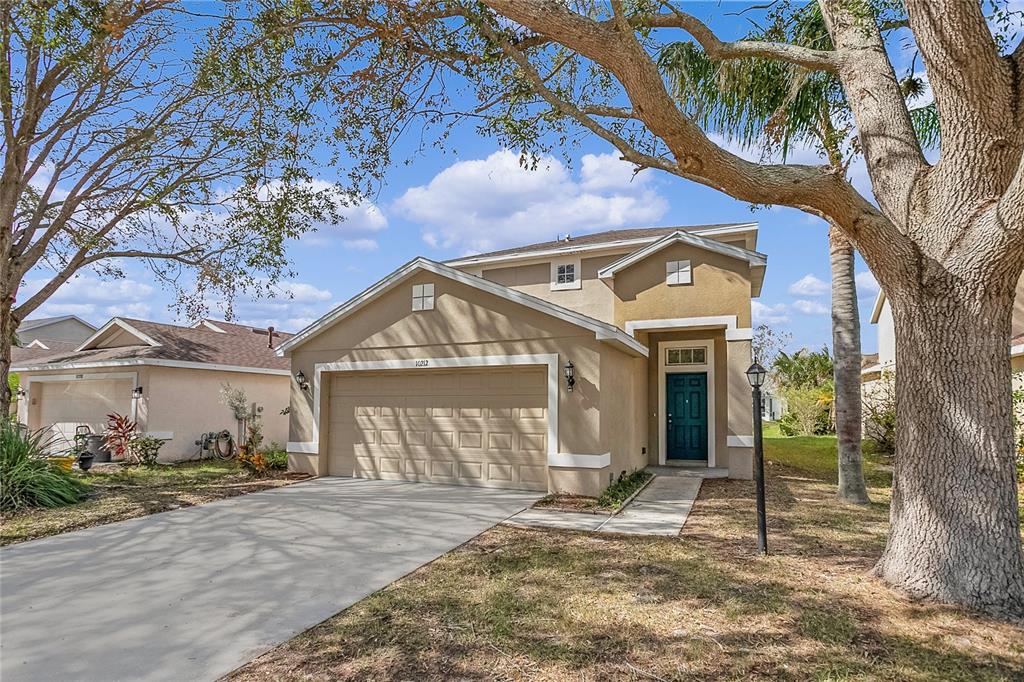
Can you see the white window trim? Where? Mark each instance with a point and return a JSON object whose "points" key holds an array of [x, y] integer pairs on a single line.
{"points": [[423, 296], [663, 369], [677, 274], [548, 359], [577, 282]]}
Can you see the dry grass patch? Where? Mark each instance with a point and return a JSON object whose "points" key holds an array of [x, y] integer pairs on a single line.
{"points": [[120, 493], [519, 604]]}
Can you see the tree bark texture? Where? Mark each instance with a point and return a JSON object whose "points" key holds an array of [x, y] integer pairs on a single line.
{"points": [[847, 357], [955, 530]]}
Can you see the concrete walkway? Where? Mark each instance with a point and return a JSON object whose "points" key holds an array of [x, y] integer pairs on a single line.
{"points": [[194, 593], [660, 509]]}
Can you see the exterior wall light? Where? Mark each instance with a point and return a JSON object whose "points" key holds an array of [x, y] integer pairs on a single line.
{"points": [[21, 393], [137, 392], [300, 379], [570, 378]]}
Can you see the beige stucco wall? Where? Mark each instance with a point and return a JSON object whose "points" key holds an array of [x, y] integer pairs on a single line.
{"points": [[594, 298], [467, 322], [187, 402], [720, 286], [177, 402]]}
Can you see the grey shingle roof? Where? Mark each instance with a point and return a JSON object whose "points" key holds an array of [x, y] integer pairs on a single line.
{"points": [[238, 345]]}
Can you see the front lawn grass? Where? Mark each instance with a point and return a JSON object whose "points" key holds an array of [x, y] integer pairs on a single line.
{"points": [[123, 492], [519, 604]]}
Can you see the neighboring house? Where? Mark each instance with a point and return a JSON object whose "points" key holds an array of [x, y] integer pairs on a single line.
{"points": [[166, 377], [885, 359], [773, 405], [457, 372], [47, 332]]}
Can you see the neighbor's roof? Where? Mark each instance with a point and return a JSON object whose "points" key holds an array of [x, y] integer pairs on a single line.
{"points": [[26, 325], [228, 346], [638, 235], [21, 354]]}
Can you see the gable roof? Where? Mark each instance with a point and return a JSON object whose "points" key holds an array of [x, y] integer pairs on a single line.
{"points": [[236, 348], [757, 261], [602, 330], [27, 325], [597, 241]]}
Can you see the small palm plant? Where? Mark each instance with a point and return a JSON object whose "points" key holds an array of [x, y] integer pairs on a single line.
{"points": [[27, 478]]}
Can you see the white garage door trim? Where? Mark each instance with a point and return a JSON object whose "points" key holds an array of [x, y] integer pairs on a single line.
{"points": [[548, 359], [98, 376]]}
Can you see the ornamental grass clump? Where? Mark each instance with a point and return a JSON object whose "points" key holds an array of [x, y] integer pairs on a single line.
{"points": [[27, 478]]}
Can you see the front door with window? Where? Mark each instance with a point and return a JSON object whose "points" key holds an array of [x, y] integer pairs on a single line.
{"points": [[686, 415]]}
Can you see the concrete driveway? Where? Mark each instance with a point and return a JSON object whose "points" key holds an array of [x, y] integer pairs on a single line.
{"points": [[194, 593]]}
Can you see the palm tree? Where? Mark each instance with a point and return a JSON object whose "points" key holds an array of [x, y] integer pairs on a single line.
{"points": [[773, 108]]}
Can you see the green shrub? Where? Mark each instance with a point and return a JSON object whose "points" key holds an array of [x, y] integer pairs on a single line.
{"points": [[145, 449], [276, 456], [619, 491], [27, 478]]}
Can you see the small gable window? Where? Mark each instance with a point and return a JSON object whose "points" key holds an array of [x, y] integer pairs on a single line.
{"points": [[423, 296], [686, 356], [678, 272], [565, 275]]}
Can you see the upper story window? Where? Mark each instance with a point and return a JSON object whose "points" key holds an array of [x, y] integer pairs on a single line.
{"points": [[423, 296], [678, 272], [686, 356], [565, 274]]}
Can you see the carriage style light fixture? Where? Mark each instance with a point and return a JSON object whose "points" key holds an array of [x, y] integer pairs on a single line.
{"points": [[570, 378], [756, 375], [137, 392], [21, 393], [300, 379]]}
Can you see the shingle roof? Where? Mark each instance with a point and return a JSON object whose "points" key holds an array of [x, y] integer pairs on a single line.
{"points": [[602, 237], [42, 321], [22, 354], [868, 359], [238, 345]]}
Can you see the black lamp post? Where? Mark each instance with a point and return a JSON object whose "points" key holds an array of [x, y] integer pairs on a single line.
{"points": [[756, 375]]}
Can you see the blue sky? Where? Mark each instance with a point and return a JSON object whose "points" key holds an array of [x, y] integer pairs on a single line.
{"points": [[473, 196]]}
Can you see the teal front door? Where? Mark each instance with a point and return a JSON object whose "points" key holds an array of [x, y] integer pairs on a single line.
{"points": [[686, 416]]}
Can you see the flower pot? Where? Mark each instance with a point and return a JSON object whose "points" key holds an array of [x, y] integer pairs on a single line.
{"points": [[85, 461], [64, 462]]}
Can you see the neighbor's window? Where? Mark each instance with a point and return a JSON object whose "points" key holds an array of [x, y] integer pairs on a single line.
{"points": [[678, 272], [565, 275], [686, 356], [422, 296]]}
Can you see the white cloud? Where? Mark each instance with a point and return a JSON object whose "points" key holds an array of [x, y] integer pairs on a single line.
{"points": [[809, 285], [867, 285], [805, 307], [93, 298], [361, 244], [483, 204], [301, 292], [295, 305], [769, 314]]}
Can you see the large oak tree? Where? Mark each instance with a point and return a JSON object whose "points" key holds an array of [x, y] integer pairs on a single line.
{"points": [[945, 239], [129, 133]]}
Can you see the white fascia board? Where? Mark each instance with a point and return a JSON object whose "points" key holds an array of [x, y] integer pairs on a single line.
{"points": [[602, 329], [754, 258], [1017, 350], [117, 322], [38, 344], [709, 322], [740, 334], [569, 248], [147, 362], [876, 311], [739, 441]]}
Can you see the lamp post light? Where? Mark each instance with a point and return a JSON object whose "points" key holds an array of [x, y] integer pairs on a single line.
{"points": [[756, 375]]}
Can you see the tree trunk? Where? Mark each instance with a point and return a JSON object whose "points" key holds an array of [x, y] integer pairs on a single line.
{"points": [[8, 326], [955, 530], [846, 368]]}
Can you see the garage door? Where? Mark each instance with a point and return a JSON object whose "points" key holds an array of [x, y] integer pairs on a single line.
{"points": [[65, 405], [468, 427]]}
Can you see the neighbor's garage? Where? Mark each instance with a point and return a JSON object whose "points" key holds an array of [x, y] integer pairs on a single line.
{"points": [[482, 427], [64, 405]]}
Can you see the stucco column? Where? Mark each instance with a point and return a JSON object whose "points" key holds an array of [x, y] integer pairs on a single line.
{"points": [[740, 439]]}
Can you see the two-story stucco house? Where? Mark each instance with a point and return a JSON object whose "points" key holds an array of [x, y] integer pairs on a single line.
{"points": [[553, 366]]}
